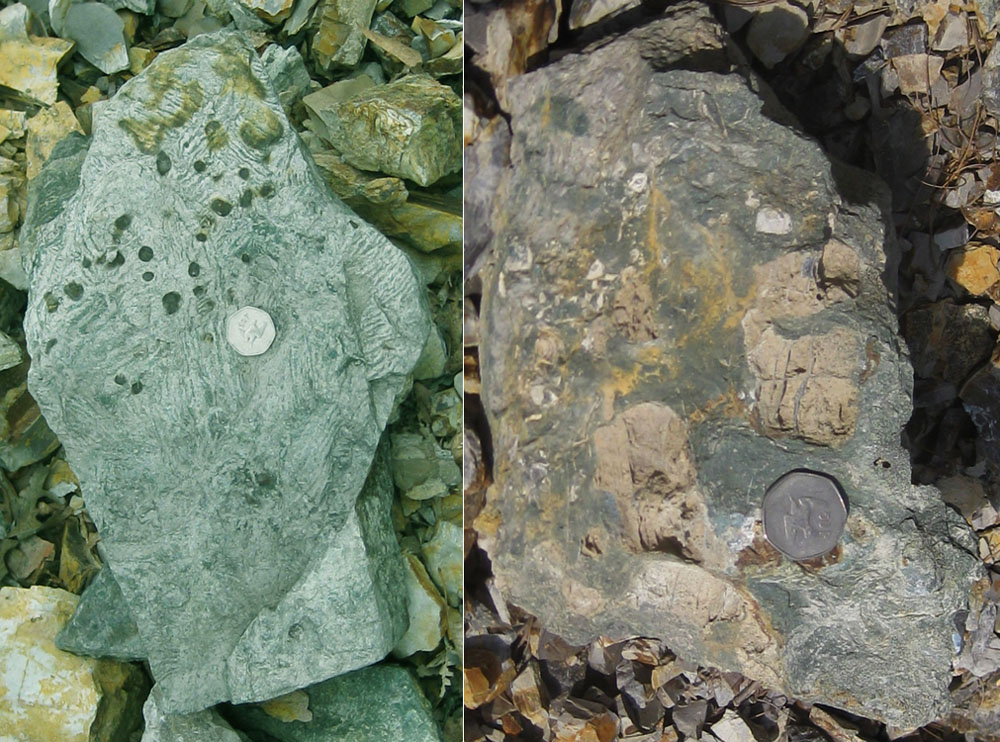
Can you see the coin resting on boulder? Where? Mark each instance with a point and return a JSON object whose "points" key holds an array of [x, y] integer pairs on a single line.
{"points": [[804, 514], [224, 480]]}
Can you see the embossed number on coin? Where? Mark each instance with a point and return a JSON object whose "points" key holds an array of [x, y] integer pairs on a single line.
{"points": [[804, 514], [250, 331]]}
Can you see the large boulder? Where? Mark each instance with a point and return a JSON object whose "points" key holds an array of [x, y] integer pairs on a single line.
{"points": [[687, 300], [225, 486]]}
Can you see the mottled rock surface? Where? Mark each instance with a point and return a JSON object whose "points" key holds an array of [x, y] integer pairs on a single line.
{"points": [[382, 702], [225, 488], [687, 301]]}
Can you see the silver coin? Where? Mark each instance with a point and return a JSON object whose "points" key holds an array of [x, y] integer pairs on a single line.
{"points": [[804, 514], [250, 331]]}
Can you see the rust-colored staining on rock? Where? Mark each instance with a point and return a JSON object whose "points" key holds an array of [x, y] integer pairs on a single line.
{"points": [[632, 310], [644, 459], [759, 553]]}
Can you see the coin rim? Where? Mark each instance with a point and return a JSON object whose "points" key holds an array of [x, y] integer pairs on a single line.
{"points": [[841, 498], [267, 314]]}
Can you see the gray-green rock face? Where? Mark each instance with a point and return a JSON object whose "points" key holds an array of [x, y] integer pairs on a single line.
{"points": [[687, 302], [378, 703], [225, 486]]}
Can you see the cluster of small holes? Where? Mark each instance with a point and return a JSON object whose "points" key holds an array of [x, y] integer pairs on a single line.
{"points": [[134, 388]]}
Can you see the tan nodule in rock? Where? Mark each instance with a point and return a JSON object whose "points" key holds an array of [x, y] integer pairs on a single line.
{"points": [[645, 460]]}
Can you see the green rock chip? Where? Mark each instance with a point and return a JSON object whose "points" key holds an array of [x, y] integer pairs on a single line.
{"points": [[102, 624]]}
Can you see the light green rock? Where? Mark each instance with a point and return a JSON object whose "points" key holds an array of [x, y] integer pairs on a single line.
{"points": [[10, 352], [376, 704], [201, 726], [410, 128], [182, 209]]}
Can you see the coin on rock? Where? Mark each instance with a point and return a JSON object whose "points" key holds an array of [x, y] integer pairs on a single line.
{"points": [[250, 331], [804, 514]]}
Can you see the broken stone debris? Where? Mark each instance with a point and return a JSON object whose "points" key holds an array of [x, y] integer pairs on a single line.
{"points": [[186, 296], [647, 569]]}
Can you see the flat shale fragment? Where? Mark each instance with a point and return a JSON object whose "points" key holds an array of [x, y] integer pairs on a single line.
{"points": [[225, 487], [688, 302]]}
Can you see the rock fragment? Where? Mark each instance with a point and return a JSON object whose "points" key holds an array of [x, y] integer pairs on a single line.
{"points": [[427, 612], [28, 63], [975, 269], [46, 129], [99, 35], [338, 41], [48, 694], [253, 579], [777, 31], [410, 128]]}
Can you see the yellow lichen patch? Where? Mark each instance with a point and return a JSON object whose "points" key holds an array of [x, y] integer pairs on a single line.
{"points": [[46, 129], [28, 66], [292, 706], [45, 694]]}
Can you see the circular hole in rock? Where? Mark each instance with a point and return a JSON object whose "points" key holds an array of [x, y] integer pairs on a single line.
{"points": [[163, 163], [245, 258], [171, 302], [193, 269], [73, 290], [199, 166], [136, 387], [147, 276], [122, 223], [145, 253], [244, 173], [221, 206], [120, 379]]}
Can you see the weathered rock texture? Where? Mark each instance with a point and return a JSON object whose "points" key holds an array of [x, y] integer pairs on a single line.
{"points": [[377, 703], [687, 301], [225, 487]]}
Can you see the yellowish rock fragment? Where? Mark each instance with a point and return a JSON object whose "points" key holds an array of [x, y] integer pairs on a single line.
{"points": [[427, 612], [28, 66], [292, 706], [14, 122], [46, 129], [45, 694], [975, 268], [273, 11], [139, 59], [443, 554]]}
